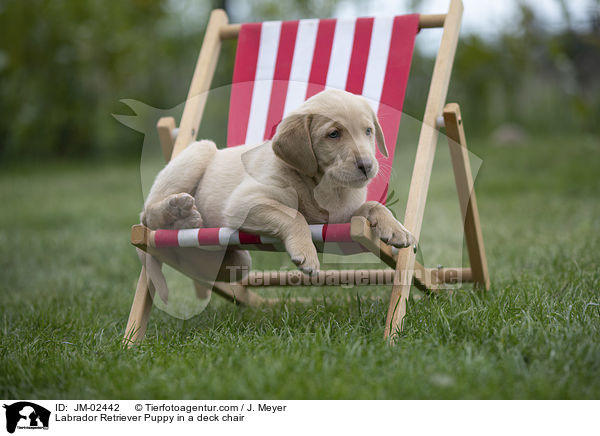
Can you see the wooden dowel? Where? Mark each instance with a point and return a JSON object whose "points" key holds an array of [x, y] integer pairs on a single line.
{"points": [[431, 21], [452, 275], [231, 31], [140, 236], [329, 277], [430, 277]]}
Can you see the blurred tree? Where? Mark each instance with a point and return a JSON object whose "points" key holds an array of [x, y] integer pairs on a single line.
{"points": [[64, 66]]}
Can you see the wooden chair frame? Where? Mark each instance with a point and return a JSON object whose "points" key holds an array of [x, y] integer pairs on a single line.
{"points": [[405, 269]]}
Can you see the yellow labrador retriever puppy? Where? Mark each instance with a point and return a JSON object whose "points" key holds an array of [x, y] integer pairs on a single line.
{"points": [[315, 170]]}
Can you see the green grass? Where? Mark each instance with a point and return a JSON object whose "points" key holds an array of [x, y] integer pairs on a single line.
{"points": [[68, 276]]}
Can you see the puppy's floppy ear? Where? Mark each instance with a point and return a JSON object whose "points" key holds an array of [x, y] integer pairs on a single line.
{"points": [[293, 145], [379, 136]]}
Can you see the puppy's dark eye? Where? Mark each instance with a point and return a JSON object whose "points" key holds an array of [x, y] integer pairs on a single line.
{"points": [[334, 134], [369, 131]]}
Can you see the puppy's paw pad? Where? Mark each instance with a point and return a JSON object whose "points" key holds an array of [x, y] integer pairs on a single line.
{"points": [[181, 205], [192, 221], [195, 220]]}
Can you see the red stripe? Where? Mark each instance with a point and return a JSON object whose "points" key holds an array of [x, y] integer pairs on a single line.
{"points": [[281, 76], [249, 238], [336, 233], [401, 47], [166, 238], [208, 236], [400, 55], [244, 72], [322, 53], [360, 55]]}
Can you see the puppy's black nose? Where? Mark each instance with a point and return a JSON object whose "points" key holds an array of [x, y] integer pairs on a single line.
{"points": [[364, 165]]}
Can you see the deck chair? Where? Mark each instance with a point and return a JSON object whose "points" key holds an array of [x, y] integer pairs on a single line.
{"points": [[280, 64]]}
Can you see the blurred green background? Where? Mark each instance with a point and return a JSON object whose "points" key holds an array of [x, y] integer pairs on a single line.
{"points": [[64, 66]]}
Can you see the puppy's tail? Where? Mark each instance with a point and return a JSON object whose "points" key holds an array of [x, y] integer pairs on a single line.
{"points": [[154, 275]]}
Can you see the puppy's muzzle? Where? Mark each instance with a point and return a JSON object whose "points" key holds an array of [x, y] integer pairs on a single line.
{"points": [[365, 166]]}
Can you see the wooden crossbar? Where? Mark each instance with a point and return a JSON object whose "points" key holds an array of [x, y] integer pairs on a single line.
{"points": [[358, 277], [231, 31]]}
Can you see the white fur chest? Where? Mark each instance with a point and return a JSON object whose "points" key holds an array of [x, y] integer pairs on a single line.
{"points": [[340, 203]]}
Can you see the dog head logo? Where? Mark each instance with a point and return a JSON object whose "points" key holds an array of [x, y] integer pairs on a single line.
{"points": [[26, 415]]}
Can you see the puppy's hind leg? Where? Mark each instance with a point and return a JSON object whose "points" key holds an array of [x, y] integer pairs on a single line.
{"points": [[170, 203]]}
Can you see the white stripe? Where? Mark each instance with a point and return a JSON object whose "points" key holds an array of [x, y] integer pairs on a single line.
{"points": [[263, 81], [188, 238], [269, 240], [301, 64], [341, 52], [316, 232], [377, 62], [234, 238], [225, 235]]}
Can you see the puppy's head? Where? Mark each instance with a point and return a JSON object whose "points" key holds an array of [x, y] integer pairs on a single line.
{"points": [[333, 133]]}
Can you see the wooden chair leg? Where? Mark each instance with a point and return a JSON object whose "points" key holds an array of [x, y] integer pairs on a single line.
{"points": [[417, 195], [466, 194], [400, 293], [140, 312]]}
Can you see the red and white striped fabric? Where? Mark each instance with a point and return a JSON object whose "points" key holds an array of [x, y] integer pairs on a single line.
{"points": [[333, 238], [279, 64]]}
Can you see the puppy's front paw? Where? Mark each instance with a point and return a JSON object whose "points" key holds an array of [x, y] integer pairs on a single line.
{"points": [[304, 256], [389, 230]]}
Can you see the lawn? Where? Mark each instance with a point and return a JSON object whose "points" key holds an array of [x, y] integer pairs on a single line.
{"points": [[68, 277]]}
